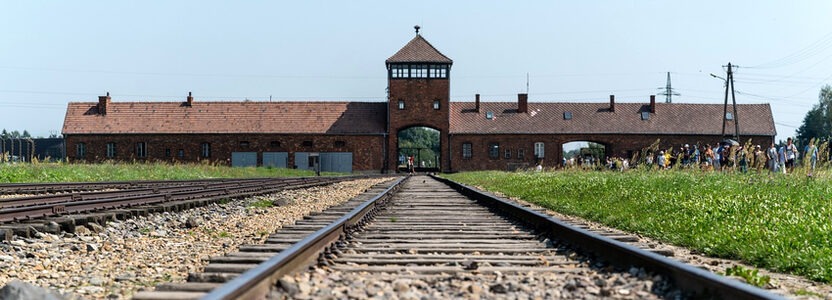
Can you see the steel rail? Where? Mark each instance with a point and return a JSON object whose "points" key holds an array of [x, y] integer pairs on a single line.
{"points": [[76, 203], [702, 283], [256, 283], [19, 188]]}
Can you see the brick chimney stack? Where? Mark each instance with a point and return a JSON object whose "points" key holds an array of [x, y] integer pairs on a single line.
{"points": [[103, 102], [522, 103], [477, 102], [652, 104], [190, 99], [612, 103]]}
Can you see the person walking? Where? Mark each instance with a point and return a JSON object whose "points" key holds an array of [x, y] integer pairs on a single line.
{"points": [[812, 154], [781, 158], [771, 158], [791, 154]]}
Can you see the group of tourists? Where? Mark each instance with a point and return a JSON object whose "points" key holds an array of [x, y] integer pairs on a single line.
{"points": [[719, 157], [728, 156]]}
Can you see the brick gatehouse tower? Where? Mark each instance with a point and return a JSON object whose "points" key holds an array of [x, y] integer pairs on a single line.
{"points": [[418, 85]]}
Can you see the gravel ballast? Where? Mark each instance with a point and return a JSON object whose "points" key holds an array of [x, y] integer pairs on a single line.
{"points": [[116, 260]]}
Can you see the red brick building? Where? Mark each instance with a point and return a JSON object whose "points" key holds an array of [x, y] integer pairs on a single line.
{"points": [[363, 136]]}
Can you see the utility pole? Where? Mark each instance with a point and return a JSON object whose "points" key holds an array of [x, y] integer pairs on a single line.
{"points": [[668, 91], [729, 80]]}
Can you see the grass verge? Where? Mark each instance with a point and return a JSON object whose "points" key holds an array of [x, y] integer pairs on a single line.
{"points": [[64, 172], [781, 223]]}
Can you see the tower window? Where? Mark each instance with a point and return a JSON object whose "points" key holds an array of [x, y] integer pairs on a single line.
{"points": [[438, 71], [436, 104], [420, 71], [399, 71], [401, 104]]}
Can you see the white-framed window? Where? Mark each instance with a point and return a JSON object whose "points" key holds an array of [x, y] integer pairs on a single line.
{"points": [[111, 150], [436, 104], [401, 104], [506, 153], [539, 150], [206, 150], [521, 153], [141, 149], [467, 150], [419, 71]]}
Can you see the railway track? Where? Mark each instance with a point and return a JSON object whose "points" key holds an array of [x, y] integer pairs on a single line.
{"points": [[68, 187], [434, 235], [54, 213]]}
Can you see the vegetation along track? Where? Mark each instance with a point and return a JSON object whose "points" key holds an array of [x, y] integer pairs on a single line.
{"points": [[59, 210], [428, 238]]}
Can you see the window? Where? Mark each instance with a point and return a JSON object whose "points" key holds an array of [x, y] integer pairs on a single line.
{"points": [[645, 115], [274, 144], [244, 143], [420, 71], [167, 152], [399, 71], [507, 153], [521, 153], [141, 149], [438, 71], [401, 104], [729, 116], [206, 150], [111, 150], [567, 115], [489, 115], [539, 150], [180, 153], [436, 104], [467, 152], [494, 150], [307, 143], [340, 143], [81, 150]]}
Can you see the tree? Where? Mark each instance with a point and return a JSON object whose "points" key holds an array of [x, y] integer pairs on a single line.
{"points": [[818, 121], [26, 133]]}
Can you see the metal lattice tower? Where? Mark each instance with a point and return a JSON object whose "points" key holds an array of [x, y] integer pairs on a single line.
{"points": [[668, 91]]}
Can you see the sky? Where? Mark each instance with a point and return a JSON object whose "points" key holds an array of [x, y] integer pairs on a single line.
{"points": [[55, 52]]}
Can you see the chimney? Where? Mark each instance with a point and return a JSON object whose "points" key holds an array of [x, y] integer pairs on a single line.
{"points": [[477, 102], [190, 99], [652, 104], [522, 103], [612, 103], [103, 102]]}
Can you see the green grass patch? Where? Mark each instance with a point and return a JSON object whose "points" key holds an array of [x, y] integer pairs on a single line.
{"points": [[781, 223], [262, 204], [66, 172]]}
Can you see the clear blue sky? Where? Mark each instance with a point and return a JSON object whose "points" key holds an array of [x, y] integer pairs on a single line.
{"points": [[54, 52]]}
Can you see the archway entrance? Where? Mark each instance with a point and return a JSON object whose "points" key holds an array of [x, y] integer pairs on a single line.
{"points": [[584, 154], [420, 146]]}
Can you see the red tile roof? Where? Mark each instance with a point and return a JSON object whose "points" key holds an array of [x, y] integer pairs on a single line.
{"points": [[418, 50], [595, 118], [228, 117]]}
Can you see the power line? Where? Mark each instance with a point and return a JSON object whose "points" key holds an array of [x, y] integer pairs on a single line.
{"points": [[813, 49]]}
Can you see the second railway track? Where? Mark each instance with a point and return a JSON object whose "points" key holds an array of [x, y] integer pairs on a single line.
{"points": [[443, 240]]}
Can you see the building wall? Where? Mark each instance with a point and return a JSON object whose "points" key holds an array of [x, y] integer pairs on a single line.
{"points": [[418, 95], [366, 149], [616, 145]]}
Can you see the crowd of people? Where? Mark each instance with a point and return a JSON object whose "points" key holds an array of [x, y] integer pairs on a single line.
{"points": [[719, 157]]}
